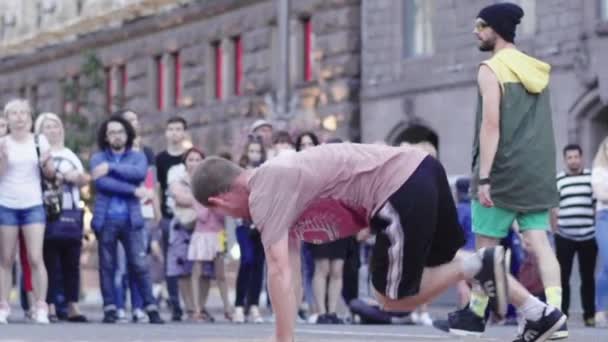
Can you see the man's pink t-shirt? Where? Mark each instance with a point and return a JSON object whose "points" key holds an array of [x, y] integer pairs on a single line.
{"points": [[327, 192]]}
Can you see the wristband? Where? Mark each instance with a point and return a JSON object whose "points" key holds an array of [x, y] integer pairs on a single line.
{"points": [[484, 181]]}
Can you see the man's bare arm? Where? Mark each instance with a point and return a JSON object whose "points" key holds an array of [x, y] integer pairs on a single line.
{"points": [[489, 134], [280, 283]]}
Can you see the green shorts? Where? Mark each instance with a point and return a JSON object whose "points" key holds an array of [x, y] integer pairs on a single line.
{"points": [[495, 222]]}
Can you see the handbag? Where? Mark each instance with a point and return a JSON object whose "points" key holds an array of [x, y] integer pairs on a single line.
{"points": [[68, 225], [51, 194]]}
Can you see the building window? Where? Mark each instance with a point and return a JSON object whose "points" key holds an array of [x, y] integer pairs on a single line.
{"points": [[124, 79], [116, 87], [238, 64], [604, 10], [70, 94], [109, 90], [307, 49], [418, 27], [159, 82], [32, 96], [218, 70], [177, 78]]}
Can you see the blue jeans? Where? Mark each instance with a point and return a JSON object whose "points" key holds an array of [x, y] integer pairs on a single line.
{"points": [[133, 240], [122, 282], [601, 235], [172, 284]]}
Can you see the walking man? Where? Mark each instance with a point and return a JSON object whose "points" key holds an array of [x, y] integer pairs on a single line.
{"points": [[513, 159]]}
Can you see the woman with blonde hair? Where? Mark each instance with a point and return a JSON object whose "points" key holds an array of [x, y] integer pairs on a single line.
{"points": [[599, 181], [62, 245], [24, 159]]}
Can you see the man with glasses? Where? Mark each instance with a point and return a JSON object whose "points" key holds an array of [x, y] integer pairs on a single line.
{"points": [[513, 169], [118, 172]]}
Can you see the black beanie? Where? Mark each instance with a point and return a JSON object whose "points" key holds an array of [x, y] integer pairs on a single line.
{"points": [[503, 18]]}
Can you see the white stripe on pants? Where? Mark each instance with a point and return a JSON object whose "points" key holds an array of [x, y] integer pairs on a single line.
{"points": [[394, 232]]}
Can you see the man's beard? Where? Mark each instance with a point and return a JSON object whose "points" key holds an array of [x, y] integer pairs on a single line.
{"points": [[117, 146], [487, 45]]}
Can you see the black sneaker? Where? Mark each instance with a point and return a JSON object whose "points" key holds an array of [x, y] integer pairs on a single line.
{"points": [[176, 316], [110, 316], [324, 319], [334, 319], [154, 317], [545, 327], [463, 322], [493, 278], [561, 333]]}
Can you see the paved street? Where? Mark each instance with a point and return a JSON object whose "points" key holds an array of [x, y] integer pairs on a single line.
{"points": [[224, 332]]}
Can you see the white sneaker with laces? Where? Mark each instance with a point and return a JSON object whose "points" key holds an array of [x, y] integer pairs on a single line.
{"points": [[239, 315], [254, 315], [5, 311]]}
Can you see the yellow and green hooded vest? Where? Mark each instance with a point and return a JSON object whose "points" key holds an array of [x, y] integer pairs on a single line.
{"points": [[523, 173]]}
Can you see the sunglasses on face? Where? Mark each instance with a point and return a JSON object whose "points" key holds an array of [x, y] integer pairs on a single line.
{"points": [[480, 25]]}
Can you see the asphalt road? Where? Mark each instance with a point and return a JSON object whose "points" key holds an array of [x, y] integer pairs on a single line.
{"points": [[19, 331]]}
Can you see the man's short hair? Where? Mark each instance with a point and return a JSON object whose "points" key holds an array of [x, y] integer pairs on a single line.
{"points": [[178, 119], [418, 133], [213, 176], [573, 147]]}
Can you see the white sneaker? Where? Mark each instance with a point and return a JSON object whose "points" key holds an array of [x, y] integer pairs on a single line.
{"points": [[5, 311], [601, 321], [312, 319], [425, 319], [41, 314], [239, 315], [254, 315], [122, 316], [415, 317], [139, 316]]}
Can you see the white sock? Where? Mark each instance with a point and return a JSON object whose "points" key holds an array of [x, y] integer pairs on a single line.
{"points": [[471, 265], [533, 308]]}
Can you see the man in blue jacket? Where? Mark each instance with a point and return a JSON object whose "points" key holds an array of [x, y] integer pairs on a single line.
{"points": [[118, 172]]}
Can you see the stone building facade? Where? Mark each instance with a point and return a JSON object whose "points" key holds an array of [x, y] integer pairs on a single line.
{"points": [[420, 60], [361, 69], [212, 61]]}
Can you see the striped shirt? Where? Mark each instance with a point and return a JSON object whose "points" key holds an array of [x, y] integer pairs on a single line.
{"points": [[576, 219]]}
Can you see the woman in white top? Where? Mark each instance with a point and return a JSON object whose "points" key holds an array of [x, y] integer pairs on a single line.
{"points": [[62, 253], [599, 181], [21, 204]]}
